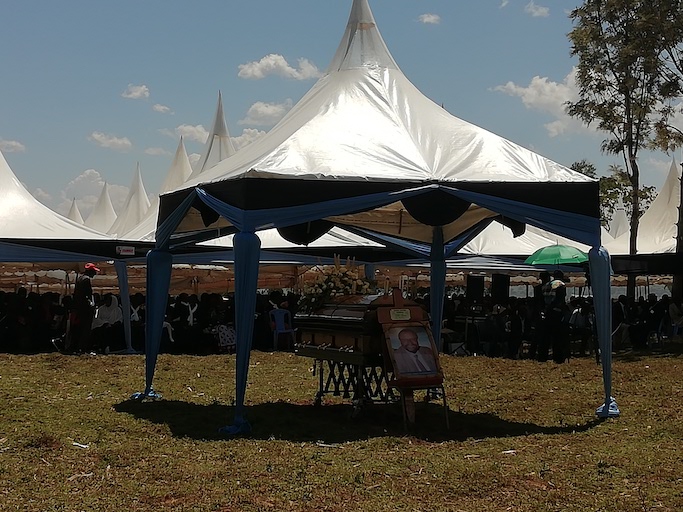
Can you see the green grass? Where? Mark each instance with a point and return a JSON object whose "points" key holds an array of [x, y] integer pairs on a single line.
{"points": [[523, 437]]}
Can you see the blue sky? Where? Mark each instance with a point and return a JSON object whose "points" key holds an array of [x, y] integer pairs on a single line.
{"points": [[89, 89]]}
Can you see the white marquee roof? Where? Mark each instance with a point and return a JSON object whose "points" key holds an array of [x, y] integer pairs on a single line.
{"points": [[103, 215], [658, 225], [134, 208], [24, 217]]}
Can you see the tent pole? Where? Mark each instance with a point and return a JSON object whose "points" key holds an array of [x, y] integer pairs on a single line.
{"points": [[600, 270], [437, 284], [159, 266], [247, 249]]}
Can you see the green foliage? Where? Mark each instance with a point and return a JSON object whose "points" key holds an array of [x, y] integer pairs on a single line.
{"points": [[629, 78], [615, 187]]}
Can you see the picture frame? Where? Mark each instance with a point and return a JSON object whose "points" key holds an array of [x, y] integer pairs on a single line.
{"points": [[412, 351]]}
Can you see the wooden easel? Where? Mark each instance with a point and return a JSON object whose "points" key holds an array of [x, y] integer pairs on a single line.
{"points": [[397, 314]]}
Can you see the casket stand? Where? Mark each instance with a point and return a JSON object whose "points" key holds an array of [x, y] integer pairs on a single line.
{"points": [[346, 342]]}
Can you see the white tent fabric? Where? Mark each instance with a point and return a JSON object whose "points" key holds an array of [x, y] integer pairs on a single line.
{"points": [[74, 213], [619, 223], [497, 239], [365, 121], [271, 239], [103, 215], [658, 225], [24, 217], [177, 174], [180, 169], [218, 145], [134, 208]]}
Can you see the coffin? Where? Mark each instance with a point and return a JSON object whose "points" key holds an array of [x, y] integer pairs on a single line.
{"points": [[349, 324]]}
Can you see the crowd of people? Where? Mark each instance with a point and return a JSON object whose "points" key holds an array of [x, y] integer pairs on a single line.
{"points": [[551, 325], [541, 327], [87, 322]]}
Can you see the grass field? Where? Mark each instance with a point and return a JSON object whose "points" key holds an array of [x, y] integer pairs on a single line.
{"points": [[523, 437]]}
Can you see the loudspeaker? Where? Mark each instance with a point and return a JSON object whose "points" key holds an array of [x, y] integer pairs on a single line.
{"points": [[500, 287], [475, 287]]}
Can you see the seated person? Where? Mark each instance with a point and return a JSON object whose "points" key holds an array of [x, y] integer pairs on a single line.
{"points": [[107, 326]]}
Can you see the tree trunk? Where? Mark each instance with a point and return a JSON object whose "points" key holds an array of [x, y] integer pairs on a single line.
{"points": [[634, 176], [677, 286]]}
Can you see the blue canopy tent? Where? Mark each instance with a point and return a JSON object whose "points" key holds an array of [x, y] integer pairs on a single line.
{"points": [[365, 149]]}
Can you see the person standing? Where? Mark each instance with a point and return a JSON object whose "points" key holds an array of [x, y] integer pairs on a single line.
{"points": [[556, 316], [82, 312]]}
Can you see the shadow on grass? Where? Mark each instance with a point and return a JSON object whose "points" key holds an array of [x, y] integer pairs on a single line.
{"points": [[334, 423], [667, 349]]}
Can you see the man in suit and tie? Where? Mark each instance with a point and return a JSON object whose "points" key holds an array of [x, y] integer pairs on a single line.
{"points": [[410, 357]]}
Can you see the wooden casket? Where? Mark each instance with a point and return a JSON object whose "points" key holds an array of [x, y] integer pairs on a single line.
{"points": [[349, 324]]}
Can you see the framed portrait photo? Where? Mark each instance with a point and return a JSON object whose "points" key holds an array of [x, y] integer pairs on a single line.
{"points": [[412, 351]]}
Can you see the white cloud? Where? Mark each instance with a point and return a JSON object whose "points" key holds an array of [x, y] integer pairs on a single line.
{"points": [[136, 92], [110, 141], [275, 64], [157, 152], [158, 107], [428, 18], [196, 133], [504, 3], [549, 97], [536, 10], [266, 114], [86, 189], [194, 158], [11, 146], [248, 136], [42, 196]]}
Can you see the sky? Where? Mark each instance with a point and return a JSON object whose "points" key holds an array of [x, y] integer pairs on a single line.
{"points": [[90, 89]]}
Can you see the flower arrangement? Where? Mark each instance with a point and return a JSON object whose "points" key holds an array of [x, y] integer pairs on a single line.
{"points": [[335, 281]]}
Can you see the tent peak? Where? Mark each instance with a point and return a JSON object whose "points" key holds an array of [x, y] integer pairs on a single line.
{"points": [[218, 144], [362, 44]]}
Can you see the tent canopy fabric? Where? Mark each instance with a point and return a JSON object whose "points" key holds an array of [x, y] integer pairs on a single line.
{"points": [[365, 149], [134, 208], [658, 225], [23, 217], [74, 213], [103, 215], [218, 145]]}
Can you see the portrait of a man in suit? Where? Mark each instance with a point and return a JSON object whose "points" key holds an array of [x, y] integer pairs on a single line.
{"points": [[410, 357]]}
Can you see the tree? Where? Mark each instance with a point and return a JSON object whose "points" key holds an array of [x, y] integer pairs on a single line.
{"points": [[622, 79], [613, 187]]}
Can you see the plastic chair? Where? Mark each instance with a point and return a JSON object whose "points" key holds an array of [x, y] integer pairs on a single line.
{"points": [[281, 320]]}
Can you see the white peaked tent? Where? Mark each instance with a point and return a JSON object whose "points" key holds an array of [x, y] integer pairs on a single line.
{"points": [[499, 240], [103, 215], [658, 225], [619, 223], [32, 232], [218, 145], [180, 170], [24, 217], [74, 213], [364, 149], [271, 239], [134, 208], [177, 174]]}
